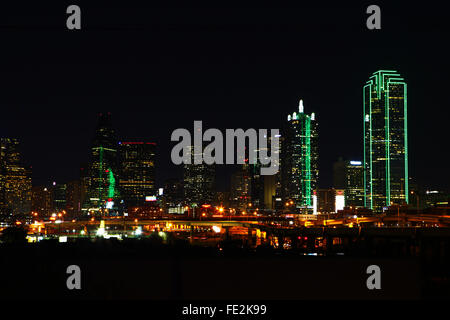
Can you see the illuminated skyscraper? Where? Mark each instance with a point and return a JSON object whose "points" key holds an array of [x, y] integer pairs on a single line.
{"points": [[385, 140], [241, 187], [266, 188], [15, 180], [103, 165], [199, 180], [137, 172], [59, 191], [349, 175], [300, 159]]}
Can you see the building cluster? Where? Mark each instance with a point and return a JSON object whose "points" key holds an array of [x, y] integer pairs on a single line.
{"points": [[15, 180], [375, 182], [120, 176]]}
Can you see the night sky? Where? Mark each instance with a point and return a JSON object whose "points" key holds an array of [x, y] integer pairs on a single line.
{"points": [[158, 68]]}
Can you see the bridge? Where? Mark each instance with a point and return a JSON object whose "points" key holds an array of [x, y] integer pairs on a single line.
{"points": [[262, 222]]}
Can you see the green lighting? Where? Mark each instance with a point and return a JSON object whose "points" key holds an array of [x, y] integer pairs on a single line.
{"points": [[307, 180], [112, 184], [387, 143], [385, 140], [301, 159], [405, 114]]}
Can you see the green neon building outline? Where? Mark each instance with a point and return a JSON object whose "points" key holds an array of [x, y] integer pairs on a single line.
{"points": [[369, 84], [405, 105], [380, 83], [364, 143], [304, 121], [387, 143], [308, 161], [405, 116]]}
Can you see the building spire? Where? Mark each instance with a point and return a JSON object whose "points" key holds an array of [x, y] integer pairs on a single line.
{"points": [[300, 106]]}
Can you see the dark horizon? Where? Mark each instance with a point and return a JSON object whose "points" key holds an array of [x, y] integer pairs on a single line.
{"points": [[159, 68]]}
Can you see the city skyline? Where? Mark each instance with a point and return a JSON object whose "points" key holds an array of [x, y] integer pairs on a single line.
{"points": [[124, 172], [156, 151], [95, 150], [183, 74]]}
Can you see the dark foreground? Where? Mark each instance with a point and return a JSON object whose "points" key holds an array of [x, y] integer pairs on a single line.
{"points": [[145, 269]]}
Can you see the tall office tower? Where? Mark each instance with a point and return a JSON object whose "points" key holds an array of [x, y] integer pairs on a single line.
{"points": [[385, 140], [241, 188], [340, 173], [264, 188], [199, 181], [349, 175], [137, 172], [300, 160], [59, 191], [15, 180], [103, 167], [270, 191], [256, 185], [277, 202], [354, 191]]}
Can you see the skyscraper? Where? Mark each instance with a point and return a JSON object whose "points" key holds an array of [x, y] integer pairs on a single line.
{"points": [[241, 187], [300, 159], [385, 140], [15, 180], [103, 164], [265, 188], [59, 191], [137, 172], [199, 180], [354, 190], [349, 175]]}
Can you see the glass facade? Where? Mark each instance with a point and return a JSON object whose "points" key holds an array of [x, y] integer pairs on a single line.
{"points": [[349, 175], [300, 159], [354, 189], [385, 140], [103, 166], [137, 172], [15, 180], [199, 180], [242, 187]]}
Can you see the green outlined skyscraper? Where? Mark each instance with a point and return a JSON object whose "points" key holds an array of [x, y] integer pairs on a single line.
{"points": [[103, 167], [300, 160], [385, 140]]}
